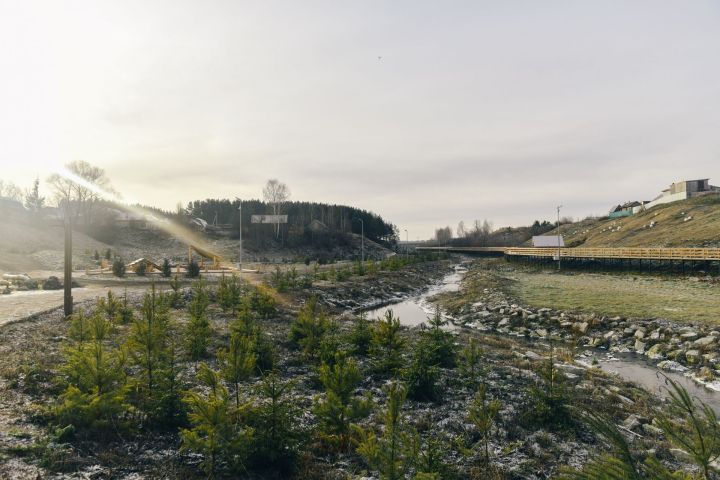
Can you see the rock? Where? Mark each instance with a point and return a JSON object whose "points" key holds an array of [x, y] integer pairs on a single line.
{"points": [[689, 336], [639, 346], [52, 283], [656, 351], [633, 422], [671, 366], [541, 332], [692, 356], [504, 322], [581, 327], [530, 355], [705, 342], [640, 333]]}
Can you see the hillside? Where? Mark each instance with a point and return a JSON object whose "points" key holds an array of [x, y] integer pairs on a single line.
{"points": [[31, 245], [689, 223]]}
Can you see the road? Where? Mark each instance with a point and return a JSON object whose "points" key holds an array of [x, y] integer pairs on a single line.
{"points": [[19, 305]]}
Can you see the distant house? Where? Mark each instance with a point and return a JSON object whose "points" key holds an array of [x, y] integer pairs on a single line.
{"points": [[545, 241], [150, 266], [624, 210], [681, 191]]}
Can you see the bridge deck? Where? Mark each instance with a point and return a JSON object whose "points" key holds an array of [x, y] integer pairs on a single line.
{"points": [[640, 253]]}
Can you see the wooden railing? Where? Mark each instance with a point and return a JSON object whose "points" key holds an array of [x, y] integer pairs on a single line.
{"points": [[625, 253]]}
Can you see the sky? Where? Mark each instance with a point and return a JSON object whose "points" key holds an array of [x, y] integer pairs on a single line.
{"points": [[426, 113]]}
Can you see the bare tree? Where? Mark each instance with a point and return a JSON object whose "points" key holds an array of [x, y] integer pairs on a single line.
{"points": [[10, 190], [461, 229], [276, 194], [76, 198], [443, 235]]}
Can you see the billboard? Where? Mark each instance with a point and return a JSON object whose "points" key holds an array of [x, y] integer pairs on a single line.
{"points": [[268, 219]]}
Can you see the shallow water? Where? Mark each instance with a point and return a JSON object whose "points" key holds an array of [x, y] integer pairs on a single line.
{"points": [[640, 371], [416, 310]]}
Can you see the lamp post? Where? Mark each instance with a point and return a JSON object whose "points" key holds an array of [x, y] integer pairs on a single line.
{"points": [[558, 234], [407, 246], [362, 239], [240, 232]]}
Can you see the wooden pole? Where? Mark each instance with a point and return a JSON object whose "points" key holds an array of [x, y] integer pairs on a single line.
{"points": [[68, 299]]}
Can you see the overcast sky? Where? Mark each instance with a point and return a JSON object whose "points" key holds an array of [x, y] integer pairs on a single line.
{"points": [[424, 112]]}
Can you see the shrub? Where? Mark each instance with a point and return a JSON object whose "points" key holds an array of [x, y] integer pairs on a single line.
{"points": [[387, 345], [483, 415], [237, 362], [263, 302], [93, 400], [549, 400], [422, 375], [338, 408], [197, 334], [360, 337], [278, 437], [691, 427], [308, 329], [216, 431], [118, 268], [166, 269], [193, 269], [441, 343], [394, 452], [141, 269], [153, 353], [470, 368], [229, 293], [262, 346], [176, 299]]}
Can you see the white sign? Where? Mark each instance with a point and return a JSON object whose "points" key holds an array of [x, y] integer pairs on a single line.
{"points": [[269, 219]]}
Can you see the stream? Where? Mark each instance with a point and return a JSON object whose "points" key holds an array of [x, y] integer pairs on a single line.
{"points": [[631, 367]]}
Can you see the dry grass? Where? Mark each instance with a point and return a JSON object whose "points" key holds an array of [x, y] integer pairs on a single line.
{"points": [[671, 229], [642, 297]]}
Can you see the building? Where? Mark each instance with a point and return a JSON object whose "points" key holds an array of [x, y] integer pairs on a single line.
{"points": [[546, 241], [624, 210], [680, 191]]}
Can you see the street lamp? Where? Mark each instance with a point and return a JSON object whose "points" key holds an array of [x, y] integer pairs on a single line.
{"points": [[362, 244], [240, 231], [407, 246], [558, 234]]}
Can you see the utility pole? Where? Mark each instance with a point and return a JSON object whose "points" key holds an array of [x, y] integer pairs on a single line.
{"points": [[240, 262], [67, 286], [559, 238], [362, 244]]}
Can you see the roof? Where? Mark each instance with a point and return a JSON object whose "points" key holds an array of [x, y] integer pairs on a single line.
{"points": [[547, 241]]}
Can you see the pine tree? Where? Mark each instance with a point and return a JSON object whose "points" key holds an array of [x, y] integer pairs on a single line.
{"points": [[338, 408], [229, 293], [394, 452], [278, 436], [237, 362], [198, 331], [308, 329], [483, 415], [387, 345], [166, 270], [216, 432]]}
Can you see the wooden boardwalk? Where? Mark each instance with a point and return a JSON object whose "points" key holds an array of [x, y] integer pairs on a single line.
{"points": [[599, 253]]}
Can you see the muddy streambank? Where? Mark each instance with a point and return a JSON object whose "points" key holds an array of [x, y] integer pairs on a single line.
{"points": [[363, 294]]}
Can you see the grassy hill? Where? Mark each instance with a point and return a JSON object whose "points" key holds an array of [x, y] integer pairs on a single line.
{"points": [[690, 223]]}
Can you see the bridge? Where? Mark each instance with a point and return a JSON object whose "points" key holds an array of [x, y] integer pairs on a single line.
{"points": [[591, 253]]}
